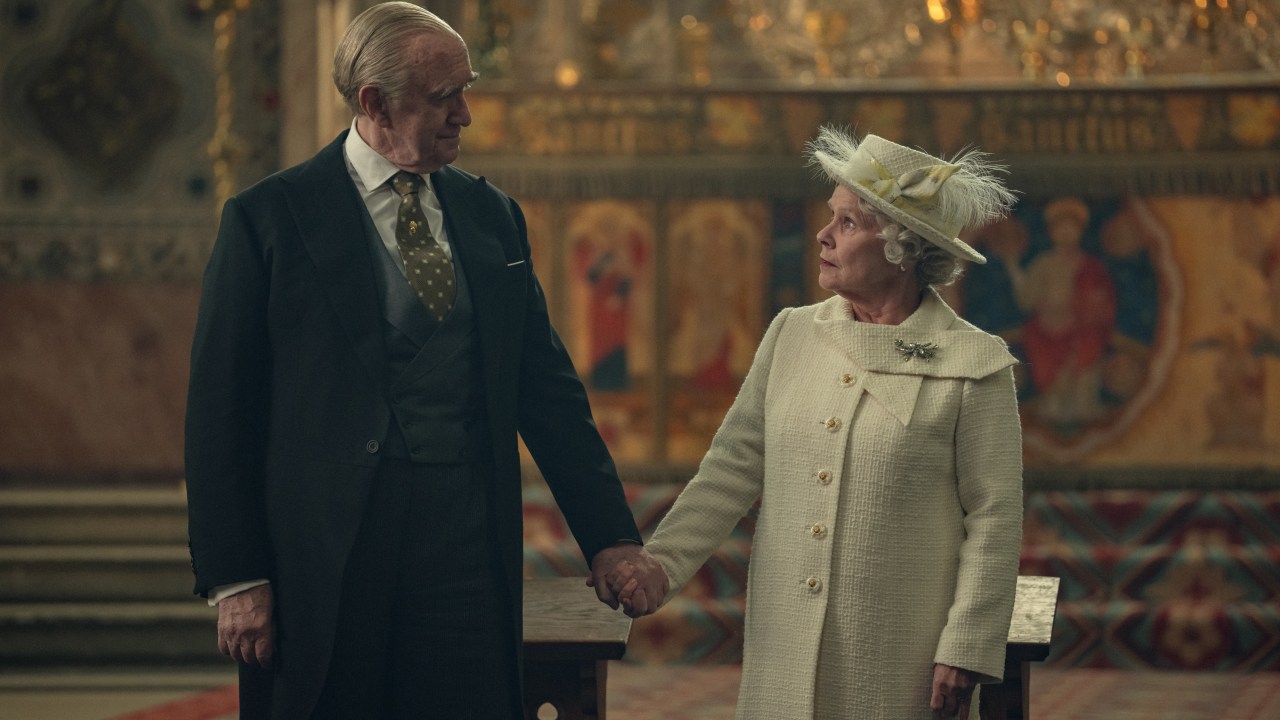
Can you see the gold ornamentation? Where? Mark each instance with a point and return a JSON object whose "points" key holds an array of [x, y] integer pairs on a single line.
{"points": [[226, 149], [106, 98], [924, 351]]}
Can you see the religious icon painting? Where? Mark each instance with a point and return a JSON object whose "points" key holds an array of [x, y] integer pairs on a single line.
{"points": [[717, 267], [1089, 299], [1235, 341], [609, 257]]}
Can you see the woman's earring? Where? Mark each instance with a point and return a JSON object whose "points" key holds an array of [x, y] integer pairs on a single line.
{"points": [[901, 267]]}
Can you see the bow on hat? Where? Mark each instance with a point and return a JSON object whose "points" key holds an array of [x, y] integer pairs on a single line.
{"points": [[913, 187]]}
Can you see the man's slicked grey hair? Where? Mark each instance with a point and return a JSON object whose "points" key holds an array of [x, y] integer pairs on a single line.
{"points": [[371, 51]]}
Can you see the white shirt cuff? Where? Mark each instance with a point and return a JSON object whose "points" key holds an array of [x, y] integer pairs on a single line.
{"points": [[224, 591]]}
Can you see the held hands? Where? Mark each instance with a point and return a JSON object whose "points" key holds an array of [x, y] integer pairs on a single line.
{"points": [[626, 574], [246, 628], [952, 691]]}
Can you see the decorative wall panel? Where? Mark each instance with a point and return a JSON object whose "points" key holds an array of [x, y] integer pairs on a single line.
{"points": [[610, 253], [104, 165], [717, 270], [1090, 298], [620, 175], [107, 211]]}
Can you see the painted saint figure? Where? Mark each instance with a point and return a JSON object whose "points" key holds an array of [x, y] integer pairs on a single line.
{"points": [[1071, 304]]}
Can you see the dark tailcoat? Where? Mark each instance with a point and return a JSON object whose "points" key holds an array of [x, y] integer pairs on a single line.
{"points": [[289, 408]]}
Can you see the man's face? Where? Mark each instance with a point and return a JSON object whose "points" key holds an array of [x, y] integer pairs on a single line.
{"points": [[424, 125]]}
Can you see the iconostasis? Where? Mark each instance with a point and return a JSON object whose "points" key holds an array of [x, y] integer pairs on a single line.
{"points": [[657, 149]]}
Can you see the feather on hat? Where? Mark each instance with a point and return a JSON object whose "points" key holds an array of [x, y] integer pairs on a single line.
{"points": [[936, 199]]}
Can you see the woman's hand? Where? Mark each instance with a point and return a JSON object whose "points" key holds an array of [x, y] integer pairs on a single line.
{"points": [[952, 691]]}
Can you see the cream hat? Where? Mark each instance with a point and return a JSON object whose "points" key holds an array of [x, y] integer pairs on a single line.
{"points": [[934, 198]]}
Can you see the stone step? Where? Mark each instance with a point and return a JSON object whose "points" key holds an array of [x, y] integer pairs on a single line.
{"points": [[97, 573], [62, 517], [117, 635]]}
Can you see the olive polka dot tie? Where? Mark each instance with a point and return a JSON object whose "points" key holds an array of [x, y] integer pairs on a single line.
{"points": [[429, 270]]}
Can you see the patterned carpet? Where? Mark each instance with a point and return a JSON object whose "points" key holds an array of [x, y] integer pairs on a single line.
{"points": [[1163, 580], [708, 692]]}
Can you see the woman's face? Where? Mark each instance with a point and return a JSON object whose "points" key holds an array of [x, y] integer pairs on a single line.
{"points": [[852, 264]]}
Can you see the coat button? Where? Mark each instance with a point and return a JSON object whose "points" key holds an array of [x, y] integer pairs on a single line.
{"points": [[824, 477], [814, 584], [818, 530], [372, 446], [846, 379], [832, 424]]}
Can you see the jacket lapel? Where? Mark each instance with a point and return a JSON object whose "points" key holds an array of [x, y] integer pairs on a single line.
{"points": [[478, 235], [329, 216]]}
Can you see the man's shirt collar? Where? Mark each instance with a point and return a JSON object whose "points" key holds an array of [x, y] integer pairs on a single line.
{"points": [[373, 169]]}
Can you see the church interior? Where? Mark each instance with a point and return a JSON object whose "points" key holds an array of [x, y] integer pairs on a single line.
{"points": [[657, 151]]}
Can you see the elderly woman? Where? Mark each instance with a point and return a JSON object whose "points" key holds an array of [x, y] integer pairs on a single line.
{"points": [[880, 433]]}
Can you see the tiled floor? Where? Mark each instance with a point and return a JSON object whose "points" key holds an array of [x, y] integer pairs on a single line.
{"points": [[650, 692]]}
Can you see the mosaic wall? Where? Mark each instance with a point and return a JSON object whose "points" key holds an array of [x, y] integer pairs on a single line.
{"points": [[107, 210], [105, 171], [1138, 278]]}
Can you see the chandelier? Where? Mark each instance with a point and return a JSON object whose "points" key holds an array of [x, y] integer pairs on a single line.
{"points": [[1037, 40]]}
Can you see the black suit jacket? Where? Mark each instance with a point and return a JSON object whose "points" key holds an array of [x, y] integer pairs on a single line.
{"points": [[288, 408]]}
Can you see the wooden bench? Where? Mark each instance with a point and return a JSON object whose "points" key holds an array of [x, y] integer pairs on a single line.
{"points": [[570, 637], [1034, 606]]}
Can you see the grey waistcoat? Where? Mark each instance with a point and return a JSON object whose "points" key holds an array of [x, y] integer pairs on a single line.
{"points": [[433, 369]]}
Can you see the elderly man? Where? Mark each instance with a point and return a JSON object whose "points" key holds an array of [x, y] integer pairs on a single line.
{"points": [[371, 338]]}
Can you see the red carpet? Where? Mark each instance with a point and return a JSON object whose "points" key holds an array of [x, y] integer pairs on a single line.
{"points": [[213, 704], [707, 692]]}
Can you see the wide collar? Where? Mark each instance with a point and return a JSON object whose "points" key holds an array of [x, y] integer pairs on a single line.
{"points": [[892, 374]]}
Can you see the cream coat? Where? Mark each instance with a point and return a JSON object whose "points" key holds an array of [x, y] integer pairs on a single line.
{"points": [[890, 511]]}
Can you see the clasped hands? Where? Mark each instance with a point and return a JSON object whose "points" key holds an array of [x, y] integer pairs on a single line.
{"points": [[627, 576]]}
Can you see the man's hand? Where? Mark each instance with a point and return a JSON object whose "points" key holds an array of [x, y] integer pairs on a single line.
{"points": [[626, 574], [952, 691], [246, 627]]}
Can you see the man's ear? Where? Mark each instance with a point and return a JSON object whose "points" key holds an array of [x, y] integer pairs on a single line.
{"points": [[373, 105]]}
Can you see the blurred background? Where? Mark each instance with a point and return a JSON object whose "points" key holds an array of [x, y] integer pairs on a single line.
{"points": [[657, 151]]}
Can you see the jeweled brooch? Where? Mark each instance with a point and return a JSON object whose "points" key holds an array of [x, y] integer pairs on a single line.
{"points": [[924, 351]]}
